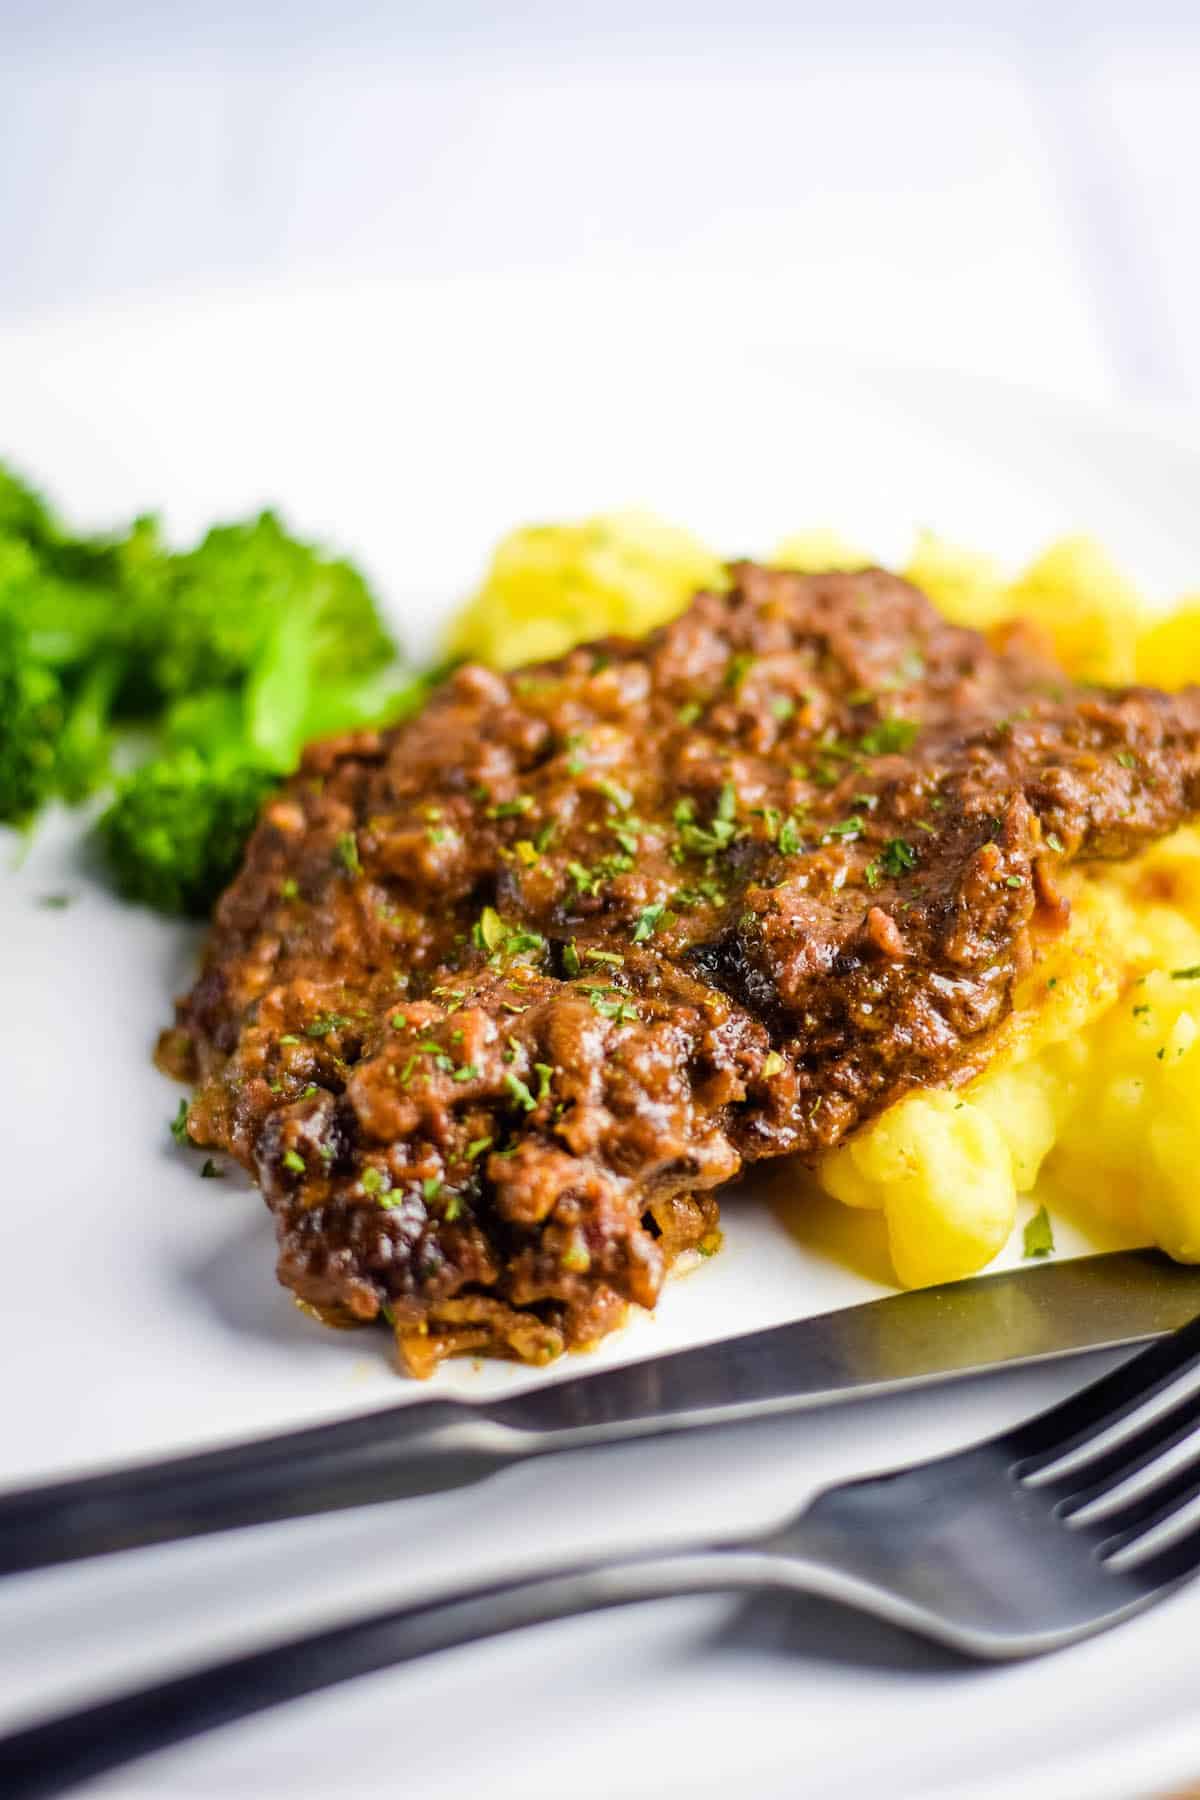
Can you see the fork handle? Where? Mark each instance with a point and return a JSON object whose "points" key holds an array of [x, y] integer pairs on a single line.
{"points": [[52, 1757], [387, 1455]]}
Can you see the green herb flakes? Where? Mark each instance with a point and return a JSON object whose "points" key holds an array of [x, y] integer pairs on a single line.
{"points": [[648, 921], [294, 1161], [889, 737], [737, 669], [324, 1023], [519, 1092], [346, 850], [898, 857], [1039, 1234], [179, 1130]]}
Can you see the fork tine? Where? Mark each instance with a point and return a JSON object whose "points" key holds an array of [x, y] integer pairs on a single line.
{"points": [[1175, 1563], [1126, 1523], [1052, 1434], [1096, 1477]]}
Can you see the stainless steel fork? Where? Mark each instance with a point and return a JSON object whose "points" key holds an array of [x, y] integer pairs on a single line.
{"points": [[996, 1551]]}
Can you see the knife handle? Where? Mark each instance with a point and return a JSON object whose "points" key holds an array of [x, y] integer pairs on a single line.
{"points": [[404, 1450]]}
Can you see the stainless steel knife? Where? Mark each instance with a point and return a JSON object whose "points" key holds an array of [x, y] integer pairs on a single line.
{"points": [[885, 1346]]}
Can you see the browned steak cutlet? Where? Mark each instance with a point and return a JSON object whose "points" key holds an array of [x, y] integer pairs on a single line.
{"points": [[502, 995]]}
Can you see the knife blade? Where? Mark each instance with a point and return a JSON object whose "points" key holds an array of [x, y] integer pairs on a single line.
{"points": [[885, 1346]]}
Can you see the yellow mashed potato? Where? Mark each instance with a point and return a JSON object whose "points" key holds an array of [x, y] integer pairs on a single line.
{"points": [[1091, 1092]]}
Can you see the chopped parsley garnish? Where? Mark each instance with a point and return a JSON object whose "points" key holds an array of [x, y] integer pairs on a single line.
{"points": [[782, 707], [431, 1187], [889, 737], [1139, 1010], [324, 1023], [289, 887], [617, 1009], [477, 1146], [626, 835], [648, 921], [847, 828], [294, 1161], [615, 794], [570, 959], [179, 1130], [1039, 1234], [587, 881], [689, 713], [468, 1072], [604, 956], [576, 762], [1014, 881], [511, 809], [543, 1071], [454, 1207], [895, 860], [708, 840], [55, 902], [374, 1181], [346, 850], [210, 1171], [1054, 842], [519, 1091], [489, 929], [898, 856], [490, 933], [737, 669], [1191, 973], [790, 841], [398, 1021], [1127, 759]]}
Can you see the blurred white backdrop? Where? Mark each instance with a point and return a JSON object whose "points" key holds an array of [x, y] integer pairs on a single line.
{"points": [[997, 187]]}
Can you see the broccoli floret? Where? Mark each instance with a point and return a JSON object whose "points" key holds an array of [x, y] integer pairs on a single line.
{"points": [[206, 618], [175, 832], [232, 655], [24, 515], [32, 713]]}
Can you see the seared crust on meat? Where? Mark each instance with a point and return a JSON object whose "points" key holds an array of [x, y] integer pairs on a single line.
{"points": [[502, 995]]}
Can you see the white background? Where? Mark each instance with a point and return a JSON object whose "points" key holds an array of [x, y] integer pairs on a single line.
{"points": [[998, 187]]}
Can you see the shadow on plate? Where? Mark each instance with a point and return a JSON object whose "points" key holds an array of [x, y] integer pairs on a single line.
{"points": [[237, 1283], [812, 1630]]}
